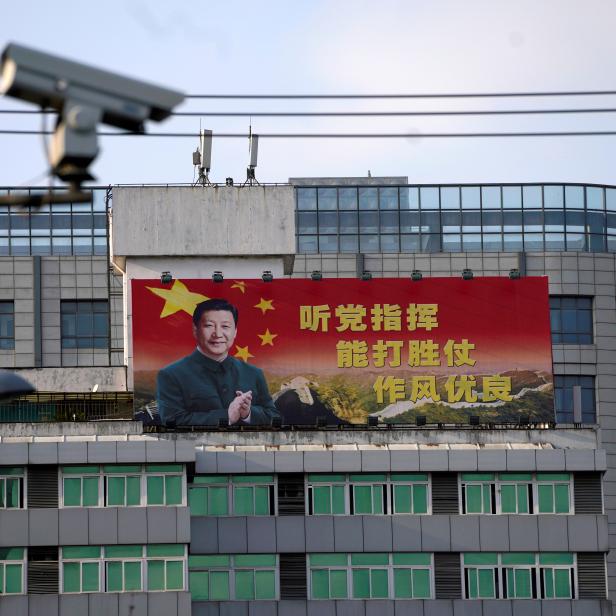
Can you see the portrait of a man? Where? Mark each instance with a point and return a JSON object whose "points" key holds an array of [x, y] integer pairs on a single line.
{"points": [[209, 384]]}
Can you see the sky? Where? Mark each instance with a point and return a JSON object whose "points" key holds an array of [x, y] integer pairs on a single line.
{"points": [[330, 47]]}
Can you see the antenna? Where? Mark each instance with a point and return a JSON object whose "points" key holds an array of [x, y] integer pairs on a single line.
{"points": [[202, 157], [253, 148]]}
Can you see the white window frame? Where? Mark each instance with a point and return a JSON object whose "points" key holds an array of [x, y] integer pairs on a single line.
{"points": [[24, 564], [22, 489]]}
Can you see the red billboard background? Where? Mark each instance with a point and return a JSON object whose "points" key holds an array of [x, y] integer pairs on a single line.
{"points": [[345, 348]]}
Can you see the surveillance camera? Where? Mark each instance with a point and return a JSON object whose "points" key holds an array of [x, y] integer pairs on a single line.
{"points": [[83, 96], [50, 81]]}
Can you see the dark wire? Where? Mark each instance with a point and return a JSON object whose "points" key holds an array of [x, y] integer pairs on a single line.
{"points": [[594, 133], [304, 114]]}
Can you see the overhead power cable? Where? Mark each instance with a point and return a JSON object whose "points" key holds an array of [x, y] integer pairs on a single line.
{"points": [[323, 114], [405, 96], [594, 133]]}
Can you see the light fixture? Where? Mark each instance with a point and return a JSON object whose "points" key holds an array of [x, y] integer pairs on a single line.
{"points": [[416, 275], [229, 181], [514, 274], [267, 276], [366, 275], [373, 421], [473, 420], [467, 274], [420, 420], [166, 278], [316, 275], [217, 277]]}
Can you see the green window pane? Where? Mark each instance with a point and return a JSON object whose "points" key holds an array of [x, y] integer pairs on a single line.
{"points": [[221, 560], [421, 584], [173, 490], [199, 585], [90, 491], [255, 560], [473, 499], [362, 499], [133, 491], [156, 575], [480, 558], [487, 498], [12, 493], [326, 560], [123, 551], [219, 585], [361, 583], [368, 477], [243, 501], [556, 558], [522, 492], [72, 492], [472, 584], [562, 498], [409, 477], [321, 503], [379, 583], [197, 499], [420, 498], [523, 588], [11, 470], [262, 500], [402, 558], [338, 584], [90, 577], [369, 559], [265, 585], [402, 499], [518, 558], [515, 477], [132, 576], [164, 468], [548, 577], [320, 583], [79, 470], [510, 581], [217, 501], [114, 577], [338, 504], [91, 551], [562, 582], [327, 478], [13, 577], [175, 575], [508, 499], [554, 477], [485, 579], [252, 479], [244, 585], [115, 491], [122, 468], [546, 498], [201, 479], [403, 585], [2, 491], [11, 553], [377, 499], [156, 490], [165, 549], [477, 476], [71, 577]]}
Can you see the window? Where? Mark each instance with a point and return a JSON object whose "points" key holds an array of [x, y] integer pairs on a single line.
{"points": [[242, 577], [116, 485], [11, 487], [368, 494], [239, 494], [571, 319], [370, 576], [478, 493], [85, 324], [7, 325], [327, 495], [123, 568], [12, 571], [409, 493], [516, 493], [563, 398], [519, 575]]}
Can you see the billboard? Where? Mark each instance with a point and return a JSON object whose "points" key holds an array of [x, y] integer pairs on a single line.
{"points": [[341, 350]]}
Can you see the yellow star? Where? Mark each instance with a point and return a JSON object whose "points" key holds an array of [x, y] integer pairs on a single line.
{"points": [[267, 338], [178, 297], [239, 284], [242, 353], [265, 305]]}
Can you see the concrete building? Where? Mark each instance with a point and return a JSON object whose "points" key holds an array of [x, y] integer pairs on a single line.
{"points": [[104, 517]]}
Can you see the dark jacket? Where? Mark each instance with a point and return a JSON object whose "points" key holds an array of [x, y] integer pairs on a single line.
{"points": [[197, 391]]}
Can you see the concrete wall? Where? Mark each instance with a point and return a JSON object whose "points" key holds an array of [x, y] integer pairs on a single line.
{"points": [[208, 221]]}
